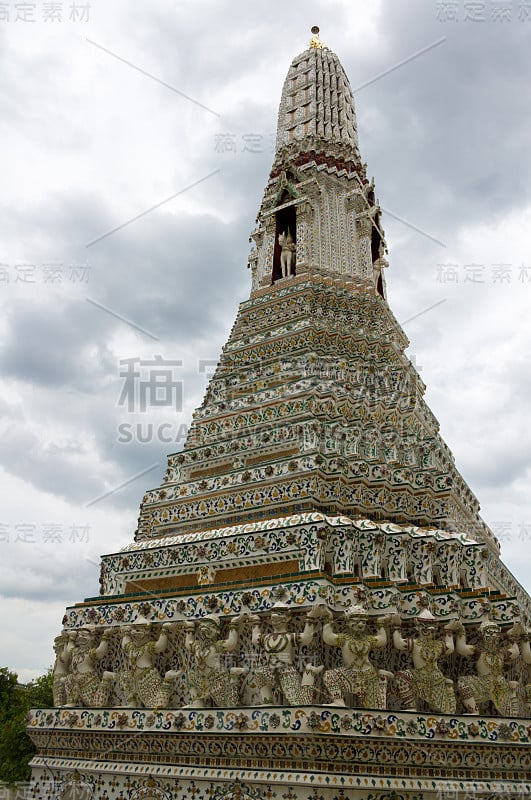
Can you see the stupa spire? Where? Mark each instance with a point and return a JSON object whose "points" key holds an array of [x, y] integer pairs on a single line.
{"points": [[318, 192]]}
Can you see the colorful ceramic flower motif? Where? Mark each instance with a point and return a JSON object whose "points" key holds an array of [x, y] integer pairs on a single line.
{"points": [[330, 721]]}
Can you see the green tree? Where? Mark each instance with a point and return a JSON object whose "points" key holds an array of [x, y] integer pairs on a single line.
{"points": [[40, 692], [16, 748]]}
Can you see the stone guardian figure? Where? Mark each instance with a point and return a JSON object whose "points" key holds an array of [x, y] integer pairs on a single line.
{"points": [[357, 676], [208, 680], [142, 682], [425, 681], [492, 654], [279, 649], [63, 646], [83, 686]]}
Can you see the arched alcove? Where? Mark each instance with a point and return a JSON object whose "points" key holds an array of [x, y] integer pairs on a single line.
{"points": [[285, 221]]}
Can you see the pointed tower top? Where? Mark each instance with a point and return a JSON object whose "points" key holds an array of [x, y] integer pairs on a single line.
{"points": [[316, 112], [315, 41], [319, 211]]}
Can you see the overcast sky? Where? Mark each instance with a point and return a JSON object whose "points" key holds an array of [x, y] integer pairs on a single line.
{"points": [[90, 142]]}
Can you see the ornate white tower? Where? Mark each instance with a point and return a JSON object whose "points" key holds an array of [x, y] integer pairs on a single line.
{"points": [[318, 189], [312, 607]]}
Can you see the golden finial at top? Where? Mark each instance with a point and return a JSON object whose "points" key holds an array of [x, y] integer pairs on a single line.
{"points": [[315, 41]]}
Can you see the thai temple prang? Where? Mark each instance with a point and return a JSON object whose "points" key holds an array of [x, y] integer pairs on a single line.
{"points": [[312, 607]]}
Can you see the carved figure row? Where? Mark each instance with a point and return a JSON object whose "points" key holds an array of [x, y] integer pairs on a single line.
{"points": [[209, 681]]}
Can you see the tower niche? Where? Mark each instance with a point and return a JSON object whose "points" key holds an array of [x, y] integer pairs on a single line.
{"points": [[285, 225]]}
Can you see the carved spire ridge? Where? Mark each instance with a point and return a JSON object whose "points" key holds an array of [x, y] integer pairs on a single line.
{"points": [[316, 111], [319, 211]]}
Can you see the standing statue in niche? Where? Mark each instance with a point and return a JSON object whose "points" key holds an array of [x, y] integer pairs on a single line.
{"points": [[490, 683], [63, 646], [142, 682], [83, 686], [380, 264], [357, 676], [287, 253], [425, 681], [278, 648], [208, 680]]}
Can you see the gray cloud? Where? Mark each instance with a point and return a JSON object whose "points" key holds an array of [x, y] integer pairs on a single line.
{"points": [[447, 110]]}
